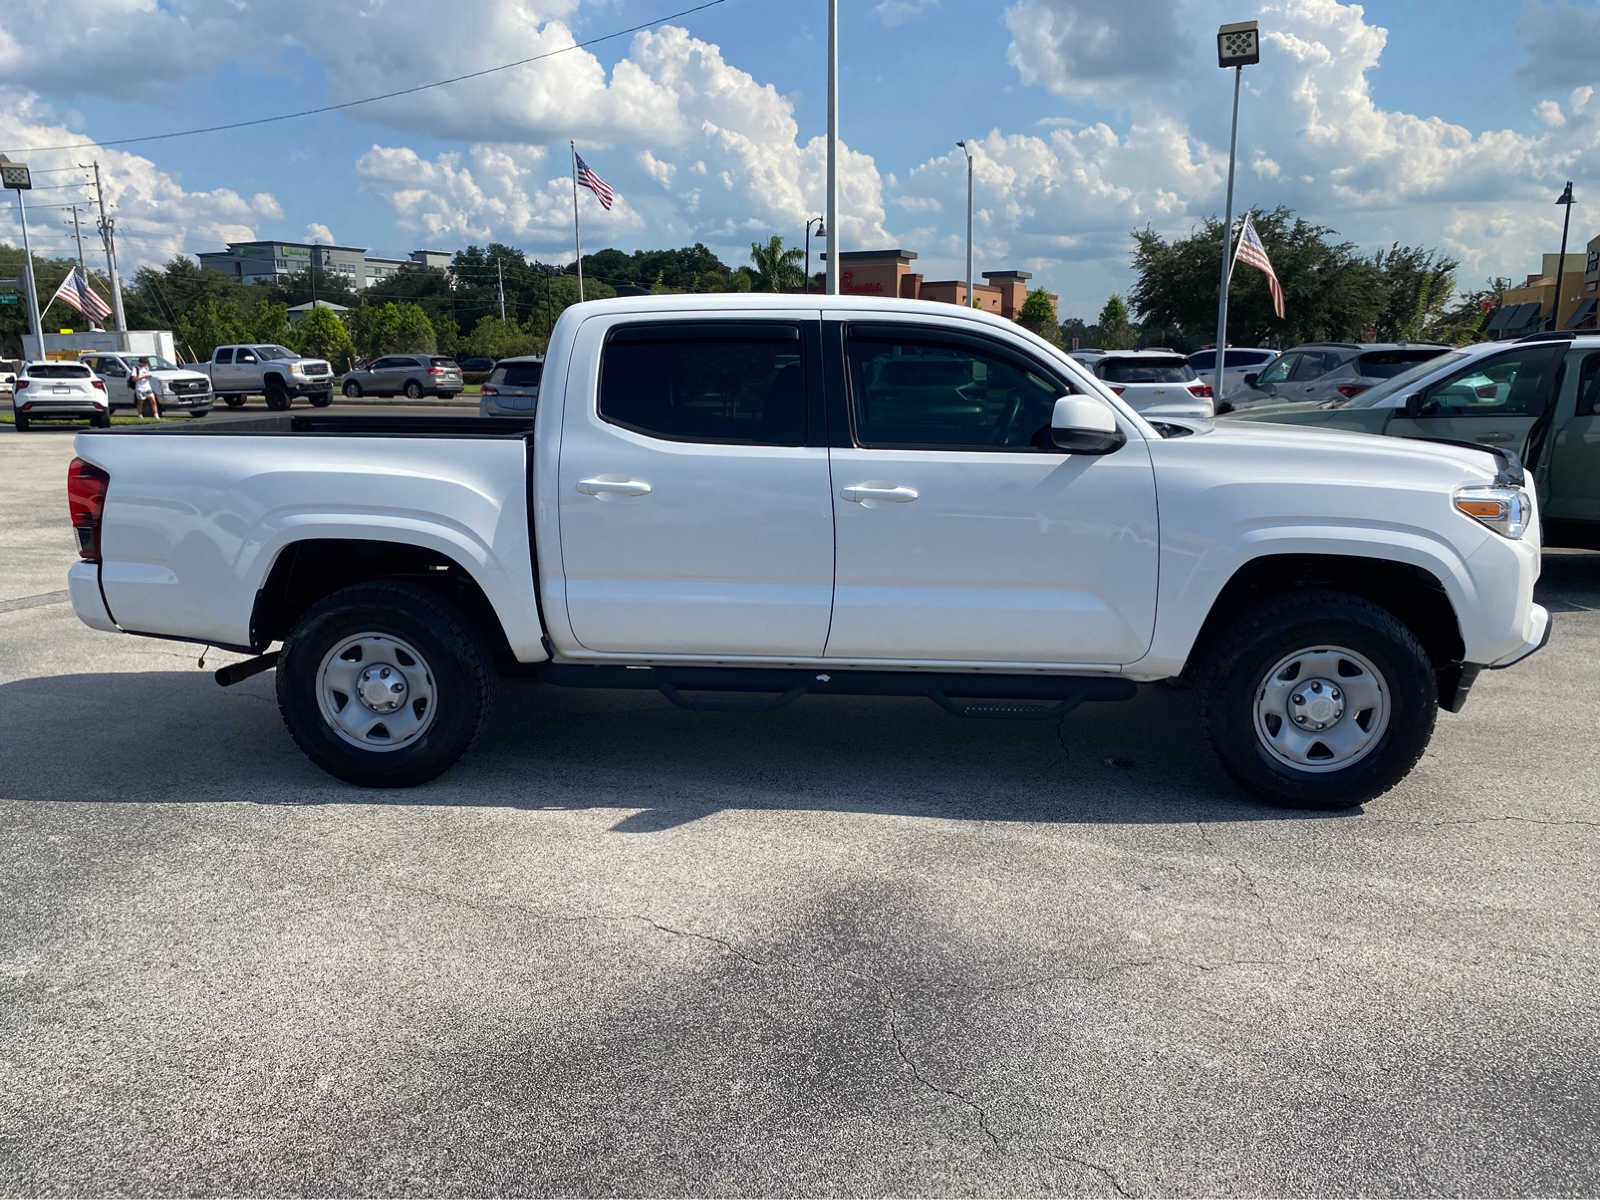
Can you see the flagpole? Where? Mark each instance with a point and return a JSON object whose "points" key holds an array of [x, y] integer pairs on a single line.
{"points": [[1227, 237], [577, 241]]}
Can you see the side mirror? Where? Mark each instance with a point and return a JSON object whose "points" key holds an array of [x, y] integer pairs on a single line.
{"points": [[247, 358], [1250, 379], [1415, 405], [1084, 425]]}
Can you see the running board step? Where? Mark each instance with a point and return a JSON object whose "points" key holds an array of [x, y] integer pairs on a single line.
{"points": [[760, 689]]}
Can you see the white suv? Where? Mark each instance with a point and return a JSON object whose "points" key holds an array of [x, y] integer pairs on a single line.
{"points": [[59, 391]]}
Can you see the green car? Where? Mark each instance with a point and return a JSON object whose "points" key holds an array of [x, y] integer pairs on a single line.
{"points": [[1535, 398]]}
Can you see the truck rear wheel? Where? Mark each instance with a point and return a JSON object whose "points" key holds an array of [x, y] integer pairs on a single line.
{"points": [[1319, 700], [233, 401], [384, 684]]}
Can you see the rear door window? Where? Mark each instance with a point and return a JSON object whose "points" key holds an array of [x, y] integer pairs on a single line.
{"points": [[1386, 364], [1279, 371], [1314, 364], [1589, 386], [1246, 358], [1206, 360], [741, 383], [224, 356]]}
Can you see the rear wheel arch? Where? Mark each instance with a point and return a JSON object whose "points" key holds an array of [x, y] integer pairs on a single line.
{"points": [[307, 571], [1414, 595]]}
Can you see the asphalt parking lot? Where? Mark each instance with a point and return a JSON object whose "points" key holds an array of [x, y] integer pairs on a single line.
{"points": [[850, 947]]}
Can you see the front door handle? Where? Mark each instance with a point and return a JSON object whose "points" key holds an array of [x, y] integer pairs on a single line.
{"points": [[861, 493], [613, 487]]}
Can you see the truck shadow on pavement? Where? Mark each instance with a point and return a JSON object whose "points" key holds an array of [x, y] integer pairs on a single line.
{"points": [[175, 737]]}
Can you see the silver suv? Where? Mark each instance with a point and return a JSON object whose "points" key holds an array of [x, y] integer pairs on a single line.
{"points": [[512, 389], [416, 375], [1324, 371]]}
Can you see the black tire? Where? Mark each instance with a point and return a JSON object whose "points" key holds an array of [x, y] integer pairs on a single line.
{"points": [[197, 413], [457, 662], [413, 390], [322, 399], [1235, 675], [22, 422], [233, 401], [277, 395], [101, 420], [352, 389]]}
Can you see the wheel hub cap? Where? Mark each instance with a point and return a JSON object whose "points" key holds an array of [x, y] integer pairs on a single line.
{"points": [[382, 689], [1321, 709]]}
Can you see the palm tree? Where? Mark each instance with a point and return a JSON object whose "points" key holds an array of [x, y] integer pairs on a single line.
{"points": [[776, 269]]}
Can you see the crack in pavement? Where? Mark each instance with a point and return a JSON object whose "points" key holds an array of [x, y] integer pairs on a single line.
{"points": [[1574, 822], [1105, 1173], [1249, 883], [916, 1073]]}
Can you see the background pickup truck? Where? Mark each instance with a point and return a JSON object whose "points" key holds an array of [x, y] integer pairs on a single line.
{"points": [[740, 500], [276, 372]]}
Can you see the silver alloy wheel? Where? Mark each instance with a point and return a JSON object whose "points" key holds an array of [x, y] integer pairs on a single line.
{"points": [[1321, 709], [376, 692]]}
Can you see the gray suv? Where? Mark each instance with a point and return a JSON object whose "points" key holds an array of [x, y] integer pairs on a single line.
{"points": [[416, 375], [512, 389], [1324, 371]]}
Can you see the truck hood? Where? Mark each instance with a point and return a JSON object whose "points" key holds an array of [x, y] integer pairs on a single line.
{"points": [[1367, 454], [181, 375]]}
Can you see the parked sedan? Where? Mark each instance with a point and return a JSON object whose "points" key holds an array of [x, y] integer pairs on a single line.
{"points": [[48, 391], [415, 375], [1159, 383], [512, 389], [1329, 371], [8, 376]]}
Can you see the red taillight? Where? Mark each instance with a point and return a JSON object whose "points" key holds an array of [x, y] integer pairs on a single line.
{"points": [[20, 384], [99, 383], [1203, 390], [86, 501], [486, 390], [1349, 390], [435, 370]]}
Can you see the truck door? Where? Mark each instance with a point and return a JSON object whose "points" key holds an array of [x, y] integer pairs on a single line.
{"points": [[1569, 471], [1494, 401], [694, 488], [963, 533]]}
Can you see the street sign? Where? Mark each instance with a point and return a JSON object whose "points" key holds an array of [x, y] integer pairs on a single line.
{"points": [[11, 298]]}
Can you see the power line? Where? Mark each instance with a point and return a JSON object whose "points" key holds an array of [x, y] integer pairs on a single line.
{"points": [[421, 87]]}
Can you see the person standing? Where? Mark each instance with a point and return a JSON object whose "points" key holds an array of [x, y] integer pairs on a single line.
{"points": [[144, 391]]}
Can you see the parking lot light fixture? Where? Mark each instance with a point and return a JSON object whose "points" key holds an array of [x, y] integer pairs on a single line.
{"points": [[1566, 200], [16, 177], [1238, 46], [822, 232]]}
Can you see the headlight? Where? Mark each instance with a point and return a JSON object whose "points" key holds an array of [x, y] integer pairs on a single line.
{"points": [[1503, 509]]}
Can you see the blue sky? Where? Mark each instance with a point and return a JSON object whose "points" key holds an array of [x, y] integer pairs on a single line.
{"points": [[1090, 118]]}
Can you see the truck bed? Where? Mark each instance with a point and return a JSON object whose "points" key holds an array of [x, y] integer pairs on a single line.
{"points": [[339, 425]]}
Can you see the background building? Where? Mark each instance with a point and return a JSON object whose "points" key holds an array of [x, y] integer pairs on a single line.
{"points": [[1526, 309], [273, 262], [889, 273]]}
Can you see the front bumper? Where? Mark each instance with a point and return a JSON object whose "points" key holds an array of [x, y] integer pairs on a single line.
{"points": [[310, 385], [1539, 626]]}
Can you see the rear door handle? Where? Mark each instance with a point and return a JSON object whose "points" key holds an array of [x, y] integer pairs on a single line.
{"points": [[863, 492], [613, 487], [1494, 436]]}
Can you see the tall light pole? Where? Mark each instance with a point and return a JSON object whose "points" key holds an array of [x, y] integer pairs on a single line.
{"points": [[822, 232], [967, 150], [833, 148], [1561, 263], [1238, 46], [19, 179]]}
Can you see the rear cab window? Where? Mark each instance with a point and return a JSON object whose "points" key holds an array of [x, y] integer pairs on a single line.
{"points": [[735, 382]]}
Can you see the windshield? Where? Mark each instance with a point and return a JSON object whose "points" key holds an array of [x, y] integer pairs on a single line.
{"points": [[156, 363], [285, 352], [1374, 397]]}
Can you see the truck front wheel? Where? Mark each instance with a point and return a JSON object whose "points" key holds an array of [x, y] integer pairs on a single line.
{"points": [[1319, 700], [277, 395], [384, 684]]}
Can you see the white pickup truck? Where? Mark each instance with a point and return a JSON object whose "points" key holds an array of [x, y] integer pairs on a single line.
{"points": [[737, 500]]}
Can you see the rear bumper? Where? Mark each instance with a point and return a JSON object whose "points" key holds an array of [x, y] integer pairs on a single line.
{"points": [[63, 408], [83, 585]]}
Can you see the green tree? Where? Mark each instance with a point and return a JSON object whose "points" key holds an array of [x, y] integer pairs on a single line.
{"points": [[1417, 287], [210, 324], [393, 328], [775, 269], [321, 334], [267, 321], [1116, 331], [494, 338], [1465, 319], [1330, 291], [1074, 327], [331, 286], [1038, 315]]}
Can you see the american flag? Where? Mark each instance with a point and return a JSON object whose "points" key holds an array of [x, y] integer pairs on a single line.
{"points": [[1252, 253], [587, 178], [75, 290]]}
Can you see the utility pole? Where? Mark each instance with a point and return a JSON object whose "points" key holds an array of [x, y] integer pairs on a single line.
{"points": [[967, 150], [108, 235], [77, 231], [500, 286]]}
